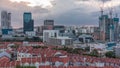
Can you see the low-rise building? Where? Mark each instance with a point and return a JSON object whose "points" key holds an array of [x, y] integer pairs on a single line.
{"points": [[60, 41], [48, 34], [30, 33], [117, 51]]}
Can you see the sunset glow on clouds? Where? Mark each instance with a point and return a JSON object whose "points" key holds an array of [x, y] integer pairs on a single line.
{"points": [[33, 3]]}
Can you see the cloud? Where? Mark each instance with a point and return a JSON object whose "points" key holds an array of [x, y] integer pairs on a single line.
{"points": [[33, 3], [98, 3], [104, 0], [17, 10], [66, 12]]}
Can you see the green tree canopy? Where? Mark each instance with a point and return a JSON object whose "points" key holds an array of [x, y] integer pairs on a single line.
{"points": [[110, 54]]}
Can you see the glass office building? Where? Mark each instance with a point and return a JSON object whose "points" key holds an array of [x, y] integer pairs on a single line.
{"points": [[28, 22]]}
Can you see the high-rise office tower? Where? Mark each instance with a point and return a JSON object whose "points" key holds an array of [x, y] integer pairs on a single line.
{"points": [[28, 24], [5, 20], [48, 24]]}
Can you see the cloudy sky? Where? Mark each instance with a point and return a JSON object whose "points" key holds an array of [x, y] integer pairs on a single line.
{"points": [[64, 12]]}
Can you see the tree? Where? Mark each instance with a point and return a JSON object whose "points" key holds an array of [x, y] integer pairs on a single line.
{"points": [[110, 54], [87, 48], [73, 31], [18, 66], [94, 53]]}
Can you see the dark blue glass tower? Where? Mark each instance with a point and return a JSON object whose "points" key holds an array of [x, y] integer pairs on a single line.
{"points": [[28, 22]]}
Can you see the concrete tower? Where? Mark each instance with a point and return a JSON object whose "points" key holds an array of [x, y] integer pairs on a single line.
{"points": [[5, 20]]}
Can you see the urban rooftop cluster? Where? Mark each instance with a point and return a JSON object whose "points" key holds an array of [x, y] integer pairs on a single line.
{"points": [[38, 55], [59, 46]]}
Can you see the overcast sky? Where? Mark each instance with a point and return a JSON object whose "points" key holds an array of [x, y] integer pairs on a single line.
{"points": [[64, 12]]}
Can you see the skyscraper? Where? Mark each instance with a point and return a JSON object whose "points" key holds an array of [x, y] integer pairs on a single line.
{"points": [[48, 24], [6, 23], [109, 29], [28, 22], [5, 20], [116, 28]]}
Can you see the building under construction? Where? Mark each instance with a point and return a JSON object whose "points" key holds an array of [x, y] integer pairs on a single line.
{"points": [[108, 25], [109, 28]]}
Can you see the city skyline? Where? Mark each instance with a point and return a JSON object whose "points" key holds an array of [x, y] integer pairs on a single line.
{"points": [[75, 12]]}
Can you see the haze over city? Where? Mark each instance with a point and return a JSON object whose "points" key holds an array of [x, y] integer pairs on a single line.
{"points": [[66, 12]]}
